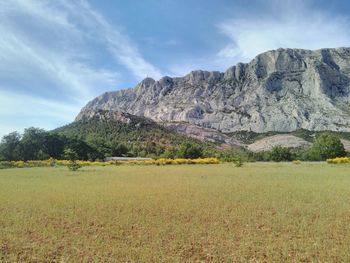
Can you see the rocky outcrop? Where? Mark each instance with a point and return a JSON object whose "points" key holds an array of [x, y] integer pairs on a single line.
{"points": [[280, 90], [118, 116], [346, 144], [203, 134], [283, 140]]}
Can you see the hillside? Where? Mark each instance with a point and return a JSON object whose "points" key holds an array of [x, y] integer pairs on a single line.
{"points": [[142, 136]]}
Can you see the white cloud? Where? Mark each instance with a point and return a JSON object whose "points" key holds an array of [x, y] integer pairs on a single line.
{"points": [[289, 24]]}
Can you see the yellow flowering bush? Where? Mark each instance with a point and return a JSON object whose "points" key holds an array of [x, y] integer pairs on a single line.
{"points": [[339, 160], [164, 161], [52, 162]]}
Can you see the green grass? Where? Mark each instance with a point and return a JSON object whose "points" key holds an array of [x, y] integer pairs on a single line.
{"points": [[211, 213]]}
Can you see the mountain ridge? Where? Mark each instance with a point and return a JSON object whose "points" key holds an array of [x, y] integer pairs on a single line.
{"points": [[280, 90]]}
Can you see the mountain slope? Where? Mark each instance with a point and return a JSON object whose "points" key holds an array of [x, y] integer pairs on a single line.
{"points": [[140, 135], [281, 90]]}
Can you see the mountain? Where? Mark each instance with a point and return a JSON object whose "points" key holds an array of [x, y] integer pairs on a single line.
{"points": [[280, 91]]}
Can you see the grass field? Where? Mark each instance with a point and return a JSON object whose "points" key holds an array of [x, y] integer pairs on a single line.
{"points": [[211, 213]]}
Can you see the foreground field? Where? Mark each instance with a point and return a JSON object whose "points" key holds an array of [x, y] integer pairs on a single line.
{"points": [[211, 213]]}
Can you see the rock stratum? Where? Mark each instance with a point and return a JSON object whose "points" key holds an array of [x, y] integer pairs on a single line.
{"points": [[281, 90]]}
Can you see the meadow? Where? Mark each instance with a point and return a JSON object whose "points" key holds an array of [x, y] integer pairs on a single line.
{"points": [[261, 212]]}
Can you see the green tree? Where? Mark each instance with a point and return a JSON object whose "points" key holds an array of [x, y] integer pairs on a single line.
{"points": [[54, 145], [119, 149], [170, 153], [280, 154], [190, 151], [10, 147], [70, 154], [33, 144], [326, 145], [80, 147]]}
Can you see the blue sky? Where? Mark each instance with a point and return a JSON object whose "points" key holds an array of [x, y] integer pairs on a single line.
{"points": [[55, 56]]}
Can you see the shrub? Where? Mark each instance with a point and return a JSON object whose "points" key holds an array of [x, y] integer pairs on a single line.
{"points": [[296, 162], [238, 162], [71, 155], [76, 164], [279, 154], [52, 162], [73, 166], [339, 160]]}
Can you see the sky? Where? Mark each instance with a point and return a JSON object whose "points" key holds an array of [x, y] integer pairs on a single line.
{"points": [[55, 56]]}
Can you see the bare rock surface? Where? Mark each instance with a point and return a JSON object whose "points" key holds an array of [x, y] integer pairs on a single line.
{"points": [[346, 144], [283, 140], [204, 134]]}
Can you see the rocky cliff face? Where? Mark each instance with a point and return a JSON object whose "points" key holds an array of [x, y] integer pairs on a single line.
{"points": [[281, 90]]}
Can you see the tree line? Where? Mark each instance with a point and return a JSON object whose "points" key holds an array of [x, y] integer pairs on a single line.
{"points": [[38, 144], [325, 146]]}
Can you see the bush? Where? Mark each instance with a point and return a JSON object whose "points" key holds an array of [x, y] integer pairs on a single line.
{"points": [[339, 160], [74, 166], [190, 151], [280, 154], [52, 162], [72, 156], [238, 162]]}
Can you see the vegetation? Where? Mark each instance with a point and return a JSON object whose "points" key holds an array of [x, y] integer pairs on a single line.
{"points": [[96, 139], [326, 146], [77, 163], [238, 162], [279, 154], [72, 156], [141, 137], [339, 160], [262, 212], [250, 137], [296, 161]]}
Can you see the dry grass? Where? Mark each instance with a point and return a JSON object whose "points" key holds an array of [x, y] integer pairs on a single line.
{"points": [[215, 213]]}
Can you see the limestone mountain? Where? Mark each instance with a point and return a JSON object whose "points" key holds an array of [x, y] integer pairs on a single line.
{"points": [[281, 90]]}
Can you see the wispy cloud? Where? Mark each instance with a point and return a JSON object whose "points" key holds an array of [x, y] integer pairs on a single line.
{"points": [[61, 51], [289, 24], [120, 45], [39, 48], [62, 39]]}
